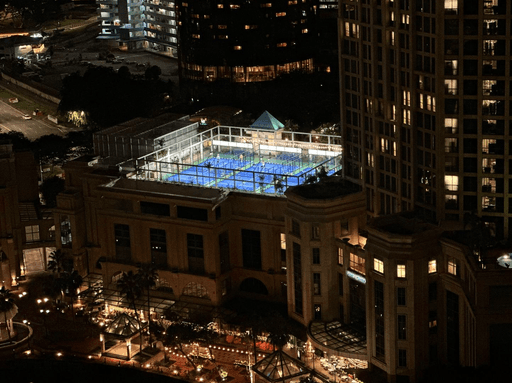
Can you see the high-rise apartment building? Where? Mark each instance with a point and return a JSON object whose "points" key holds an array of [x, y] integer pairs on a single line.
{"points": [[139, 24], [425, 100]]}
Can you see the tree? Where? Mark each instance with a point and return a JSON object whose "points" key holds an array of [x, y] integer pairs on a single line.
{"points": [[178, 334], [71, 283], [56, 262], [50, 188], [6, 305], [130, 286], [147, 277]]}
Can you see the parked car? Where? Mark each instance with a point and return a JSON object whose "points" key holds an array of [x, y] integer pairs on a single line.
{"points": [[26, 117]]}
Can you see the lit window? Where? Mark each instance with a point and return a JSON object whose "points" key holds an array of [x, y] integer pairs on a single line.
{"points": [[340, 256], [196, 36], [223, 37], [237, 47], [357, 264], [378, 265], [32, 233], [292, 2], [283, 241], [280, 14], [222, 26], [266, 5], [234, 6], [451, 183], [451, 125], [220, 5], [281, 45], [305, 30], [400, 271], [452, 266], [432, 266], [451, 5]]}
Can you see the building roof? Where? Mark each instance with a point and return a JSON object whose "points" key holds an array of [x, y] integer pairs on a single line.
{"points": [[123, 326], [279, 366], [267, 121]]}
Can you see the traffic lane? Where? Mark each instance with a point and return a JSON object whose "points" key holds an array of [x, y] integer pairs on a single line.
{"points": [[12, 119]]}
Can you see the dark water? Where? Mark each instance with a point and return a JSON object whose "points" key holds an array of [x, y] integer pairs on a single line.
{"points": [[42, 371]]}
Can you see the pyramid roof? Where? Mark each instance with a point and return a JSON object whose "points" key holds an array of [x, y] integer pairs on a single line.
{"points": [[123, 326], [279, 366], [267, 121]]}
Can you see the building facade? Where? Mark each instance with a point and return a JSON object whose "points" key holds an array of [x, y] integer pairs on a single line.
{"points": [[241, 41], [138, 24], [425, 106], [27, 233]]}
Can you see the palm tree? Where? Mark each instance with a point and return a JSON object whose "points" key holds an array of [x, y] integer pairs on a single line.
{"points": [[147, 277], [6, 305], [56, 262], [130, 287], [71, 283], [177, 335]]}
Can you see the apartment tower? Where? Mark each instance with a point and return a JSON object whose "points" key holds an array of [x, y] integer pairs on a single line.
{"points": [[425, 98]]}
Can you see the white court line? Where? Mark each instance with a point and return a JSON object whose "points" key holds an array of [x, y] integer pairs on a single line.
{"points": [[5, 127]]}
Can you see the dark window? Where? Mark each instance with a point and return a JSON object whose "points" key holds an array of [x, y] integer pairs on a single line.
{"points": [[379, 319], [318, 312], [195, 253], [400, 296], [317, 286], [218, 213], [194, 213], [122, 240], [432, 291], [402, 327], [316, 255], [295, 228], [402, 358], [158, 244], [340, 284], [251, 249], [155, 208], [225, 263], [297, 278], [452, 327]]}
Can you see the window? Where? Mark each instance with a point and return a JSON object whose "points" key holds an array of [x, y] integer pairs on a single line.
{"points": [[315, 232], [194, 213], [155, 208], [400, 270], [65, 231], [357, 264], [295, 228], [195, 252], [451, 183], [297, 278], [402, 327], [340, 284], [432, 291], [225, 263], [316, 255], [379, 319], [452, 266], [122, 242], [451, 6], [251, 249], [158, 245], [32, 233], [194, 289], [401, 296], [432, 266], [402, 358], [340, 256], [378, 265], [432, 322], [317, 288], [318, 311]]}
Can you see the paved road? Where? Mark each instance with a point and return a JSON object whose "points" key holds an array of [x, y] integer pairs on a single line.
{"points": [[11, 120]]}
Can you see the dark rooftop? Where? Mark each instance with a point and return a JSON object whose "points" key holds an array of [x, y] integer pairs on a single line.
{"points": [[330, 187]]}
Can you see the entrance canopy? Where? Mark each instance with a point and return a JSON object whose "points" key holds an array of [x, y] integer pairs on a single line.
{"points": [[123, 326]]}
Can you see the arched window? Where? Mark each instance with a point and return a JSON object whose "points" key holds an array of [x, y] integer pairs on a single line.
{"points": [[163, 285], [194, 289]]}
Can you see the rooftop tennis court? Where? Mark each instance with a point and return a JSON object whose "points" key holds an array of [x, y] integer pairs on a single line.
{"points": [[243, 159]]}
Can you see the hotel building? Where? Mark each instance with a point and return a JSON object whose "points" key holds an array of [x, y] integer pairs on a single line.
{"points": [[397, 294], [425, 107]]}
